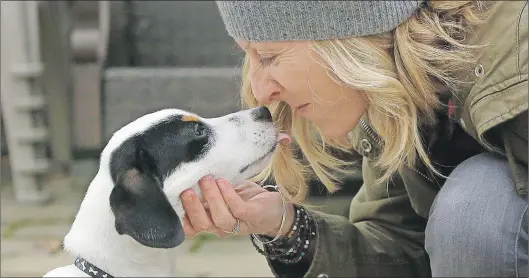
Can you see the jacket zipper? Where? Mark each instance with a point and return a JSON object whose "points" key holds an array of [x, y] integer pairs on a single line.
{"points": [[421, 174], [370, 132], [378, 141]]}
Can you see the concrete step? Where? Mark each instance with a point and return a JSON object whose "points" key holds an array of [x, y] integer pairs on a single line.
{"points": [[27, 70], [129, 93], [32, 135], [28, 103], [35, 167]]}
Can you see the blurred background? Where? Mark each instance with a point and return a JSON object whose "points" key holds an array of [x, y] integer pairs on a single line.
{"points": [[73, 72]]}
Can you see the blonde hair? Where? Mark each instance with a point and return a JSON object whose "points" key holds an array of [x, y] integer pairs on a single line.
{"points": [[400, 72]]}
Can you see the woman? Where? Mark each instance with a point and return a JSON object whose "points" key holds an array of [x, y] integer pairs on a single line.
{"points": [[431, 94]]}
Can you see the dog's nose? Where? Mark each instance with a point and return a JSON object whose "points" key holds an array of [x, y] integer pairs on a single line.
{"points": [[262, 114]]}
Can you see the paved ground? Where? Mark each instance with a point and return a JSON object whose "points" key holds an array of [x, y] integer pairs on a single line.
{"points": [[30, 244], [31, 235]]}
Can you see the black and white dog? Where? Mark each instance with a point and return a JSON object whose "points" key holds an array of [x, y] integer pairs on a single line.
{"points": [[129, 221]]}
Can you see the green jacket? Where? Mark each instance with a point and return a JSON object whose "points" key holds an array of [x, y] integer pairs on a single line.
{"points": [[384, 235]]}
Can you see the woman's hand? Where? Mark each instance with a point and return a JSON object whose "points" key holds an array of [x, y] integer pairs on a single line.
{"points": [[258, 210]]}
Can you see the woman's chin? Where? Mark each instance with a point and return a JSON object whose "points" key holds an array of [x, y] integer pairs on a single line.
{"points": [[334, 134], [337, 130]]}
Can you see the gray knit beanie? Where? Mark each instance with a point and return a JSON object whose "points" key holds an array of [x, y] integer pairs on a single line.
{"points": [[312, 20]]}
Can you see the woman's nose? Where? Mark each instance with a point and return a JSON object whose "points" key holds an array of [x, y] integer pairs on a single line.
{"points": [[267, 92]]}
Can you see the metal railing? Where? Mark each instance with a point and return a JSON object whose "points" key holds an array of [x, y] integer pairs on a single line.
{"points": [[23, 103], [41, 42]]}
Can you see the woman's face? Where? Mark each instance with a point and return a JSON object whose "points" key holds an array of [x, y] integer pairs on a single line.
{"points": [[292, 73]]}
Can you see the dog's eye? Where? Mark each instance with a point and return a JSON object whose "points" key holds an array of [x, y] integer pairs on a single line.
{"points": [[199, 130]]}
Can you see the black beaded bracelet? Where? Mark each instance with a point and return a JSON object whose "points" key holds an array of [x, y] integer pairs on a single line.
{"points": [[292, 248], [281, 246], [278, 247], [303, 240]]}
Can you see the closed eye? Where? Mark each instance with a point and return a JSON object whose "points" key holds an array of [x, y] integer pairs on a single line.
{"points": [[267, 61]]}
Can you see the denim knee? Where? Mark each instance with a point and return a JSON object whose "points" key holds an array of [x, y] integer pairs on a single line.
{"points": [[477, 224]]}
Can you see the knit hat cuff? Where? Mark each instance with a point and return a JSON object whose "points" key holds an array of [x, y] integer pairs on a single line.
{"points": [[312, 20]]}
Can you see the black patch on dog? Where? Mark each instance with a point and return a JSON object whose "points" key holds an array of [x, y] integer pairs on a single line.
{"points": [[138, 168]]}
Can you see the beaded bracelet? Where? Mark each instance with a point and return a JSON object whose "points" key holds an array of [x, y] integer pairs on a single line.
{"points": [[292, 248], [303, 240], [284, 243], [293, 251]]}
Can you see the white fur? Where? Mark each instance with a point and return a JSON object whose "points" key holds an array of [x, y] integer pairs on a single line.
{"points": [[93, 235]]}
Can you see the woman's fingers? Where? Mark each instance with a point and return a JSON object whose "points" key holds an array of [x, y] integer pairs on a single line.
{"points": [[188, 229], [195, 212], [248, 190], [225, 207], [214, 216], [220, 214], [238, 207], [191, 233], [221, 234]]}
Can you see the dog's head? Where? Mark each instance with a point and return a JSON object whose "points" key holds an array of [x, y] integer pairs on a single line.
{"points": [[156, 157]]}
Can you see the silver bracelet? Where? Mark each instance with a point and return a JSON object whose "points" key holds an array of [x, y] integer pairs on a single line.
{"points": [[282, 218]]}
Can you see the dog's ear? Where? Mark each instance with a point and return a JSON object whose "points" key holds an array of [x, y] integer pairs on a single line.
{"points": [[141, 208]]}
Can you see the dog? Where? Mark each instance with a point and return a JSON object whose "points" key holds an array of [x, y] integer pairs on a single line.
{"points": [[129, 222]]}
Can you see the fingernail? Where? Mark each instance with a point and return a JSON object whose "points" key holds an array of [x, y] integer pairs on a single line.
{"points": [[205, 181], [210, 179], [188, 194], [223, 184]]}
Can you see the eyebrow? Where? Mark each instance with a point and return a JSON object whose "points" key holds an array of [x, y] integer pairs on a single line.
{"points": [[273, 49]]}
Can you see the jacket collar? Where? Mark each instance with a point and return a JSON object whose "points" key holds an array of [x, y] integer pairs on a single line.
{"points": [[367, 142]]}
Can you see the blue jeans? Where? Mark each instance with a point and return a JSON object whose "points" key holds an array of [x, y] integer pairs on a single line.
{"points": [[478, 224]]}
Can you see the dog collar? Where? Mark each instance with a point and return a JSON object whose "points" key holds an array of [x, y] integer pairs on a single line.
{"points": [[91, 269]]}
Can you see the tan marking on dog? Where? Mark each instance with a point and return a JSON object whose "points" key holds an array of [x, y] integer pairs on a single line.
{"points": [[190, 118]]}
